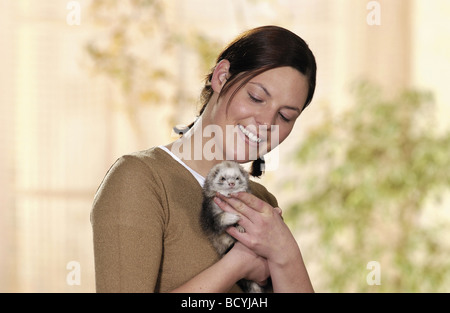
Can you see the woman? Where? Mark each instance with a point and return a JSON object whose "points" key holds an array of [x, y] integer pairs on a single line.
{"points": [[145, 217]]}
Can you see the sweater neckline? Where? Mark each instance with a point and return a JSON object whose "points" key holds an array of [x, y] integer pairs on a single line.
{"points": [[200, 179]]}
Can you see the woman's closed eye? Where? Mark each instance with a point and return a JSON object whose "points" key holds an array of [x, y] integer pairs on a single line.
{"points": [[283, 117], [289, 114], [255, 99]]}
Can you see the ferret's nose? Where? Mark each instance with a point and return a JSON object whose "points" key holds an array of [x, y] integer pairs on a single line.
{"points": [[231, 184]]}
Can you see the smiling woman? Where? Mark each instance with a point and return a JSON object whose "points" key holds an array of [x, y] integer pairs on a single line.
{"points": [[263, 111], [258, 52], [146, 212]]}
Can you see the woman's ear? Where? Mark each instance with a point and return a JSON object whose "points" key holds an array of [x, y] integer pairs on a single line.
{"points": [[220, 75]]}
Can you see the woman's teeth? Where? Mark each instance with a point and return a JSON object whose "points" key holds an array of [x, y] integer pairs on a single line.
{"points": [[251, 136]]}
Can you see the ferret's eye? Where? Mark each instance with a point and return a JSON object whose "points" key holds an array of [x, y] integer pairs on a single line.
{"points": [[222, 179], [237, 178]]}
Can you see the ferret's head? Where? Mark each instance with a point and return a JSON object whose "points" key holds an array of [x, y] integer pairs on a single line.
{"points": [[228, 177]]}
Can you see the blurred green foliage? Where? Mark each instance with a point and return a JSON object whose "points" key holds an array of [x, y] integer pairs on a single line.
{"points": [[368, 174]]}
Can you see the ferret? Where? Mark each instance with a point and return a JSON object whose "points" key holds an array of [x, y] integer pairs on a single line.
{"points": [[226, 178]]}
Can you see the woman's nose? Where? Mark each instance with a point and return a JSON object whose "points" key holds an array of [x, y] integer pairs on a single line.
{"points": [[265, 117]]}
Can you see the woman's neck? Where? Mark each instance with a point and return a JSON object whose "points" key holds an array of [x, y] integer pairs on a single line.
{"points": [[190, 149]]}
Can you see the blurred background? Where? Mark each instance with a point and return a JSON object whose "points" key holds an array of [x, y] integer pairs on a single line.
{"points": [[363, 180]]}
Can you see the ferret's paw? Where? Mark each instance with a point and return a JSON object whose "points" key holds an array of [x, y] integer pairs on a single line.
{"points": [[229, 218], [240, 228], [225, 193]]}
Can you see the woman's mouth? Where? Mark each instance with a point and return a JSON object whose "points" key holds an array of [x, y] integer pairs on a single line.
{"points": [[251, 136]]}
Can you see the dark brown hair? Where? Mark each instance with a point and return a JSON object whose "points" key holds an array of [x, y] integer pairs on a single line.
{"points": [[259, 50]]}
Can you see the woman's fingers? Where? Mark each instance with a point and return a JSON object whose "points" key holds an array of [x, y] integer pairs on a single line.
{"points": [[262, 223], [278, 210], [237, 205], [246, 205], [252, 201], [225, 206]]}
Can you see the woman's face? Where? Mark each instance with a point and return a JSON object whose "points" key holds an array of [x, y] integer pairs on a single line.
{"points": [[260, 115]]}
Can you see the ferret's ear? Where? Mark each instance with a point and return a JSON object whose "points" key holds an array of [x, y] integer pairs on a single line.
{"points": [[243, 172]]}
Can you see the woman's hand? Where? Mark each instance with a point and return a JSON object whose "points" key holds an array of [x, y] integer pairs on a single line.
{"points": [[268, 236], [265, 231], [253, 267]]}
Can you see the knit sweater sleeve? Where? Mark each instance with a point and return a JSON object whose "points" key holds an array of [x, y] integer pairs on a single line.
{"points": [[128, 219]]}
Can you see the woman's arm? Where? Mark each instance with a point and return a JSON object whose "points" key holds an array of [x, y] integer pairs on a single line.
{"points": [[127, 222], [238, 263], [289, 274], [268, 236]]}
